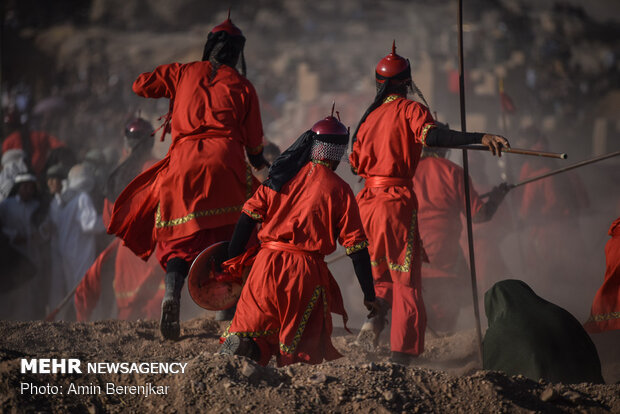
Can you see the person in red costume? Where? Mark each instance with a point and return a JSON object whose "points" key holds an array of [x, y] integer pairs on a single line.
{"points": [[137, 285], [440, 189], [386, 151], [550, 210], [193, 197], [605, 312], [305, 208], [36, 144]]}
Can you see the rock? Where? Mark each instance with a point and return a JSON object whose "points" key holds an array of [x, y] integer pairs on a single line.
{"points": [[247, 369], [317, 378], [549, 394], [389, 396], [573, 396]]}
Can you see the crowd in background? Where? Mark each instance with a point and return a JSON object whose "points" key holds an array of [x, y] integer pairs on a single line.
{"points": [[557, 65]]}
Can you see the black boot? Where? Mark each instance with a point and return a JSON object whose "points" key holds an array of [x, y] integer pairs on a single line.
{"points": [[236, 345], [169, 324]]}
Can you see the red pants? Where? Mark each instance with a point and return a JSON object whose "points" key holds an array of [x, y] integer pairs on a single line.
{"points": [[408, 316]]}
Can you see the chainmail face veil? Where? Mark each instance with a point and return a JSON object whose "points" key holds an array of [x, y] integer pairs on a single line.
{"points": [[308, 146], [327, 151]]}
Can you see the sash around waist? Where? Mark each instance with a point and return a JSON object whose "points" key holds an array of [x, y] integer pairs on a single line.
{"points": [[378, 181], [291, 248]]}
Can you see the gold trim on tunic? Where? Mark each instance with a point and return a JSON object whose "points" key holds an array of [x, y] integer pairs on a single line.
{"points": [[406, 266], [159, 223], [391, 98], [289, 349], [604, 317], [252, 214], [425, 130], [356, 247]]}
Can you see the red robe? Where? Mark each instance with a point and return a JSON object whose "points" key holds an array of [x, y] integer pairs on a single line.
{"points": [[605, 312], [204, 179], [386, 154], [440, 188], [41, 144], [138, 285], [550, 208], [287, 299]]}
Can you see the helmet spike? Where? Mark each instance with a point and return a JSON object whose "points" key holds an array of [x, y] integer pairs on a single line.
{"points": [[333, 107], [228, 13], [338, 114], [394, 46]]}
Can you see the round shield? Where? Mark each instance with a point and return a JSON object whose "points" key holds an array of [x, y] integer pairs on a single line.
{"points": [[208, 285]]}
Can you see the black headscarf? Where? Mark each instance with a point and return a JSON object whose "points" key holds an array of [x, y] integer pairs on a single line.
{"points": [[224, 49], [288, 164], [529, 336], [383, 89]]}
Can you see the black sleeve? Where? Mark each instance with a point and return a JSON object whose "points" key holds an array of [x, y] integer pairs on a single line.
{"points": [[361, 264], [257, 160], [243, 230], [444, 137]]}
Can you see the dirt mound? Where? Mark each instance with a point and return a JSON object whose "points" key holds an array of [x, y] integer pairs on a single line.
{"points": [[445, 379]]}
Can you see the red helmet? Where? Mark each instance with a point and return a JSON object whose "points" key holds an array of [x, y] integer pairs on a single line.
{"points": [[392, 65], [227, 26], [330, 126], [138, 129]]}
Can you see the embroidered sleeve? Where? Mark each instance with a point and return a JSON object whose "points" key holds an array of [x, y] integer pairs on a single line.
{"points": [[255, 216], [356, 247], [425, 130]]}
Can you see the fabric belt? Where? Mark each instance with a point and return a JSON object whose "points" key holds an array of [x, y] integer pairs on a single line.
{"points": [[291, 248], [378, 181]]}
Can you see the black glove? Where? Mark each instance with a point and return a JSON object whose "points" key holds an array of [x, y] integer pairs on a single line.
{"points": [[258, 160], [497, 194]]}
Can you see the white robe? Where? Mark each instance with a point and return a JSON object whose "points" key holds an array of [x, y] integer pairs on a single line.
{"points": [[76, 225]]}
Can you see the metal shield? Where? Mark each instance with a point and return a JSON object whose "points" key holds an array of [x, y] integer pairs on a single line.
{"points": [[208, 286]]}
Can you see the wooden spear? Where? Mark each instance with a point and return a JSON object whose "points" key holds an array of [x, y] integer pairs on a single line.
{"points": [[561, 170]]}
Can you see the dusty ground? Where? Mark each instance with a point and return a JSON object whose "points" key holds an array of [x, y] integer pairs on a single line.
{"points": [[445, 380]]}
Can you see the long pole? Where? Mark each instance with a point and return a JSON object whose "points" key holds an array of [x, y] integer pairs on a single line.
{"points": [[470, 236], [520, 151], [561, 170]]}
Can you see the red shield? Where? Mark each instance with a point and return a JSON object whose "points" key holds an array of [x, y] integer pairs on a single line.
{"points": [[208, 285]]}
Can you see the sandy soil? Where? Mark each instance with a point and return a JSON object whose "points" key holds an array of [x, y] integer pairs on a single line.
{"points": [[445, 379]]}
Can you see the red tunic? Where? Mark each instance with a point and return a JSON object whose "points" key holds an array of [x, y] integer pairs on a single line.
{"points": [[388, 144], [605, 312], [386, 154], [204, 179], [41, 143], [440, 189], [289, 294]]}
